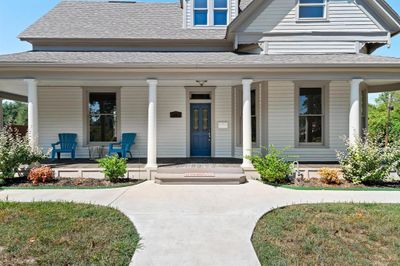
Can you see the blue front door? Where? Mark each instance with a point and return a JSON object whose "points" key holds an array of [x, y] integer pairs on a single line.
{"points": [[200, 129]]}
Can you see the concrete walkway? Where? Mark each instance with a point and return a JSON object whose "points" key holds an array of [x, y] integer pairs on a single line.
{"points": [[197, 225]]}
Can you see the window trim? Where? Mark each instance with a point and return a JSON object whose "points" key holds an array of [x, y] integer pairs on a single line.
{"points": [[86, 125], [324, 86], [210, 15], [325, 4]]}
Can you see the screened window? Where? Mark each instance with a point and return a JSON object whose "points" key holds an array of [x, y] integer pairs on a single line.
{"points": [[312, 9], [102, 116], [311, 116], [200, 12]]}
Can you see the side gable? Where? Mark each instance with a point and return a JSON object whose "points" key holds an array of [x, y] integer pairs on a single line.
{"points": [[350, 27]]}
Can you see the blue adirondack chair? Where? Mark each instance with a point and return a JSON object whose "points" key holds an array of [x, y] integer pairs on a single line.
{"points": [[67, 144], [124, 147]]}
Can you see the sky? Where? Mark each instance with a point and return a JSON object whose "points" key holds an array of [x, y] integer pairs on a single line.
{"points": [[17, 15]]}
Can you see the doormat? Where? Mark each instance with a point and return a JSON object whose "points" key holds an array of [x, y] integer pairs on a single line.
{"points": [[199, 175]]}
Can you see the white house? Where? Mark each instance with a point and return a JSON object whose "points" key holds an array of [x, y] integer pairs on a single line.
{"points": [[209, 78]]}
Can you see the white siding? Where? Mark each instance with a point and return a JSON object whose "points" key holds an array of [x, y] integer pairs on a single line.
{"points": [[281, 120], [339, 108], [60, 111], [310, 47], [134, 117], [171, 132], [280, 16], [223, 113], [281, 113]]}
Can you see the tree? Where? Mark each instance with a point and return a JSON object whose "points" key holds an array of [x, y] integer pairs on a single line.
{"points": [[378, 119], [15, 113]]}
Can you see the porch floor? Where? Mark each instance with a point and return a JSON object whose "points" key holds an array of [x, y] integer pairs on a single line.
{"points": [[162, 163]]}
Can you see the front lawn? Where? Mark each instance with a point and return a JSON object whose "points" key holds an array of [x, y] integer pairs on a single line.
{"points": [[329, 234], [64, 234]]}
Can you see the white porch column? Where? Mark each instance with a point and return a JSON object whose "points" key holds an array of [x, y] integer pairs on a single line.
{"points": [[1, 114], [246, 117], [32, 112], [152, 125], [354, 116]]}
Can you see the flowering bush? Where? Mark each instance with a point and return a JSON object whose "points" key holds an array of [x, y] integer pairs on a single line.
{"points": [[366, 161], [329, 176], [14, 152], [273, 167], [43, 174], [114, 167]]}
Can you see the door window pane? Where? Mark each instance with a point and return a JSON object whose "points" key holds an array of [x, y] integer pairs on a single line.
{"points": [[102, 117], [205, 119], [196, 119]]}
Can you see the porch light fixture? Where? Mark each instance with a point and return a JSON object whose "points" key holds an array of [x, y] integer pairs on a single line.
{"points": [[201, 82]]}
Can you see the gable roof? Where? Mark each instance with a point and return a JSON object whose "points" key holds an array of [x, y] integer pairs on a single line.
{"points": [[244, 3], [251, 6], [116, 20]]}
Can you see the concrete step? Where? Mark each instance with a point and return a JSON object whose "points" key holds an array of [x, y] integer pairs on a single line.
{"points": [[200, 178]]}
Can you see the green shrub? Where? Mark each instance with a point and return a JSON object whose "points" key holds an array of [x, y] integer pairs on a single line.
{"points": [[366, 161], [394, 156], [114, 167], [274, 167], [14, 152]]}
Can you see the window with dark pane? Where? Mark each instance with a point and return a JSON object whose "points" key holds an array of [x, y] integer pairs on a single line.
{"points": [[253, 117], [102, 117], [310, 115]]}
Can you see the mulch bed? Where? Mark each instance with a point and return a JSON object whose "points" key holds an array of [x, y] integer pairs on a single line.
{"points": [[317, 183], [70, 182]]}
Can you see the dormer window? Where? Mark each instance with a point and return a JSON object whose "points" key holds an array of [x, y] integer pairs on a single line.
{"points": [[312, 9], [200, 12], [210, 12]]}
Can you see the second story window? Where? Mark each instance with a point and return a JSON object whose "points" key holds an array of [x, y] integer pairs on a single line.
{"points": [[200, 12], [220, 12], [312, 9], [210, 12]]}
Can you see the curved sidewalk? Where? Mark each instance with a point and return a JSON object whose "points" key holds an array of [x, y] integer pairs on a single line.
{"points": [[197, 225]]}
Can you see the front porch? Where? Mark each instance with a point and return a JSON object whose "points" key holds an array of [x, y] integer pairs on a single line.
{"points": [[243, 114]]}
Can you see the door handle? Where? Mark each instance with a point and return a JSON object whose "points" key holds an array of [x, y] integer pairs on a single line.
{"points": [[209, 136]]}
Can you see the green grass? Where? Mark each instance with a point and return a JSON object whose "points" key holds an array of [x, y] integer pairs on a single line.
{"points": [[365, 188], [64, 234], [329, 234]]}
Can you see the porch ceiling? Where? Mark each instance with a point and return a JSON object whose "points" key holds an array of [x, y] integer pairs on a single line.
{"points": [[377, 85], [13, 90]]}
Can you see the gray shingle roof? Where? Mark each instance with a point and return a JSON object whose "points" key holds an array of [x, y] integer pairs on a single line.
{"points": [[194, 59], [105, 20], [244, 3]]}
